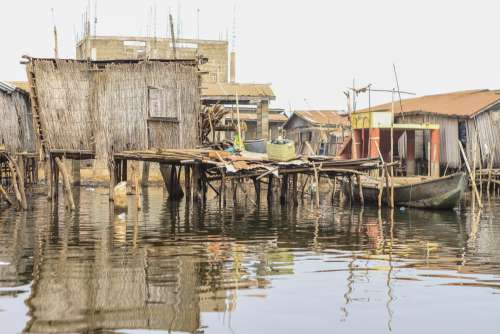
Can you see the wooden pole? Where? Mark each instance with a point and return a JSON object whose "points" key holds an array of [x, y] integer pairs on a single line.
{"points": [[270, 190], [474, 188], [6, 196], [316, 177], [68, 193], [294, 190], [490, 167], [256, 184], [16, 188], [112, 178], [360, 186], [20, 168]]}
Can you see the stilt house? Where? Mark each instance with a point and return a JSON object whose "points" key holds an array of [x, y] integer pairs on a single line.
{"points": [[97, 108], [322, 130], [16, 127], [471, 117]]}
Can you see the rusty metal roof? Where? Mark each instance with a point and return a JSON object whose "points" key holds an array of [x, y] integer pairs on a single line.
{"points": [[242, 89], [273, 118], [322, 117], [460, 104]]}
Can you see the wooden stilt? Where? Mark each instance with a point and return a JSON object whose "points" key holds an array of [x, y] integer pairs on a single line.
{"points": [[55, 182], [4, 194], [334, 191], [316, 177], [270, 190], [256, 184], [75, 169], [187, 183], [112, 178], [284, 189], [294, 190], [474, 188], [490, 171], [20, 168], [360, 188], [48, 176], [145, 174], [68, 193], [234, 189]]}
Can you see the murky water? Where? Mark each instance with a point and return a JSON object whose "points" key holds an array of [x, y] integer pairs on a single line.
{"points": [[247, 270]]}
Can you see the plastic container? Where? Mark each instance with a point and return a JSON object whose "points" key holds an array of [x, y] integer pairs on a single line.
{"points": [[257, 145]]}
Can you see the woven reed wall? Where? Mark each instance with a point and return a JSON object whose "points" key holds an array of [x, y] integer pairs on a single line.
{"points": [[63, 89], [106, 109], [16, 126]]}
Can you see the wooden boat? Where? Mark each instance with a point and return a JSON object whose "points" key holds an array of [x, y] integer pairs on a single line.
{"points": [[417, 192]]}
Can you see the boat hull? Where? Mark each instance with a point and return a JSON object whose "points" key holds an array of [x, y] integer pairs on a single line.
{"points": [[439, 193]]}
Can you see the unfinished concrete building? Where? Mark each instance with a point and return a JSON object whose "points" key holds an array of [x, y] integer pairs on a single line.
{"points": [[253, 101], [127, 47]]}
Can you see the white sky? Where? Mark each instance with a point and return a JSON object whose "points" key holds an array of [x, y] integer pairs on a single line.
{"points": [[307, 49]]}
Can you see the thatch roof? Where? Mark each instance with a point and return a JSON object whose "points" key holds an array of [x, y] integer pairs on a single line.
{"points": [[252, 117], [460, 104]]}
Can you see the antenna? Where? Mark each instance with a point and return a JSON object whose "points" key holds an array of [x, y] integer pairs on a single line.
{"points": [[56, 48], [95, 17], [233, 36], [178, 19], [172, 35], [197, 23], [399, 92], [154, 22], [89, 15]]}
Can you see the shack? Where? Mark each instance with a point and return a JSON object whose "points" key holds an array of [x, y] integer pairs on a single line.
{"points": [[321, 130], [18, 162], [471, 117], [95, 109]]}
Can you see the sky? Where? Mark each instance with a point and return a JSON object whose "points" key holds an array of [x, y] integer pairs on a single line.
{"points": [[310, 51]]}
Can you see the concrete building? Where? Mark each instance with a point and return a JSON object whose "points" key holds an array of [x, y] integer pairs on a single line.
{"points": [[128, 47]]}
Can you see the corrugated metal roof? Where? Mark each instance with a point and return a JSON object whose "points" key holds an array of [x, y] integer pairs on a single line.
{"points": [[23, 85], [231, 89], [7, 87], [322, 117], [462, 104], [275, 118]]}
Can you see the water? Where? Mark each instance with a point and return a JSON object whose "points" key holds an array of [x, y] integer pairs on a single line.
{"points": [[247, 270]]}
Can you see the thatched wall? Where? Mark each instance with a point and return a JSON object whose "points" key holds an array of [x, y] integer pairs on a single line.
{"points": [[118, 106], [16, 126], [124, 106], [63, 89]]}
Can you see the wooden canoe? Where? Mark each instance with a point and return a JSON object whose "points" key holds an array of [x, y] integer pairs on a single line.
{"points": [[418, 192]]}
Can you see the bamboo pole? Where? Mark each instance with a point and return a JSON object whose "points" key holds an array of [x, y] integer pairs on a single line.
{"points": [[68, 193], [474, 188]]}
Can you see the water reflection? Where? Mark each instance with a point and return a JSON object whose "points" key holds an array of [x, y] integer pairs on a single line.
{"points": [[173, 269]]}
